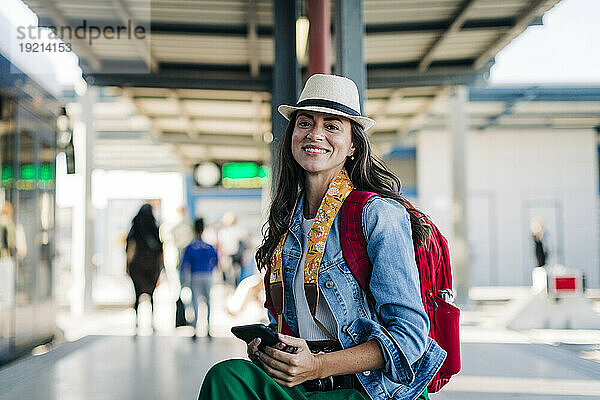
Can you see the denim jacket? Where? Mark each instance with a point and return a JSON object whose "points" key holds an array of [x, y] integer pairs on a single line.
{"points": [[397, 320]]}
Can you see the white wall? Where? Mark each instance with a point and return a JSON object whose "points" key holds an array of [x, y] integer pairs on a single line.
{"points": [[512, 177]]}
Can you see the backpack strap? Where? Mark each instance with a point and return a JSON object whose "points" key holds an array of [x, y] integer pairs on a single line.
{"points": [[285, 328], [352, 238]]}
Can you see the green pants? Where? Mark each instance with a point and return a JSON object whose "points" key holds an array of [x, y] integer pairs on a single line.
{"points": [[240, 379]]}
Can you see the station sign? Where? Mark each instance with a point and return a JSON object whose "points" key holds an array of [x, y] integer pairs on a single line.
{"points": [[244, 175], [240, 175]]}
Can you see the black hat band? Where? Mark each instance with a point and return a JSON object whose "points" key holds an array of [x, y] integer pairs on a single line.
{"points": [[328, 104]]}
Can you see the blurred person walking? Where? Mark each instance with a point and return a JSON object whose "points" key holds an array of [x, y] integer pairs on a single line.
{"points": [[540, 243], [229, 240], [144, 256], [181, 234], [199, 260]]}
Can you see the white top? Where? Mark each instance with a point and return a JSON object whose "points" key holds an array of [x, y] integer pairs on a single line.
{"points": [[307, 328]]}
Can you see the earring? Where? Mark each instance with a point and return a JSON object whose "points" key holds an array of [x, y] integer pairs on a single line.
{"points": [[352, 157]]}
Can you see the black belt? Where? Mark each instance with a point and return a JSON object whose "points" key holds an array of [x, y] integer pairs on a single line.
{"points": [[348, 381]]}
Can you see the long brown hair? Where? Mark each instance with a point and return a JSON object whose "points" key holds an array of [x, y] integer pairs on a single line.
{"points": [[366, 171]]}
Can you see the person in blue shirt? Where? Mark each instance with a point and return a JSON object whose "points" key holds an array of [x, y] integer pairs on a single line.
{"points": [[199, 260]]}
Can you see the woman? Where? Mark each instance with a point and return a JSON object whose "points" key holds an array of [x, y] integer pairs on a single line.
{"points": [[378, 350], [144, 256]]}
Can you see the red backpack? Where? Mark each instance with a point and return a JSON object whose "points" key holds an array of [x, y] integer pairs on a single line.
{"points": [[433, 262]]}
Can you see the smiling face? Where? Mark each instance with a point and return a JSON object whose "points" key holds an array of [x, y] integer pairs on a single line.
{"points": [[321, 142]]}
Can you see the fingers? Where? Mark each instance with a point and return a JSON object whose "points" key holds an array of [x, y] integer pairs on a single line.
{"points": [[284, 383], [252, 348], [292, 341], [279, 355], [274, 372], [283, 347], [288, 349], [273, 362], [291, 349]]}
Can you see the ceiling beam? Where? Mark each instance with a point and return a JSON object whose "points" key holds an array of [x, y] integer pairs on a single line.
{"points": [[213, 140], [420, 117], [399, 77], [143, 45], [382, 113], [536, 9], [509, 105], [237, 77], [266, 31], [253, 50], [236, 30], [155, 133], [459, 18], [192, 131], [80, 47], [560, 94], [263, 126], [442, 25], [190, 76]]}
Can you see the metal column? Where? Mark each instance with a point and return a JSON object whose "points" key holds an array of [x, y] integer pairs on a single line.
{"points": [[349, 33], [83, 213], [286, 71], [319, 38], [459, 247]]}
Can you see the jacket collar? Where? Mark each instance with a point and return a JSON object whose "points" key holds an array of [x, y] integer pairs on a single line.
{"points": [[296, 221]]}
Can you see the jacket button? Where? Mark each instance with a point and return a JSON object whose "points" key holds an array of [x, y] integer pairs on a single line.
{"points": [[366, 373], [329, 284], [345, 328]]}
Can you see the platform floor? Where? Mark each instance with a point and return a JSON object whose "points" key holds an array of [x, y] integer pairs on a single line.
{"points": [[172, 367], [104, 360]]}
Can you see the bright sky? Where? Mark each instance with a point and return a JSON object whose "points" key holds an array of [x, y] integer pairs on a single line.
{"points": [[566, 49]]}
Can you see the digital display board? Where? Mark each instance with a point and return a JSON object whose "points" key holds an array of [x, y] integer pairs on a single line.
{"points": [[244, 175]]}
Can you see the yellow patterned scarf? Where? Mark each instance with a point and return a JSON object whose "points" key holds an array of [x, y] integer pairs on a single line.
{"points": [[337, 192]]}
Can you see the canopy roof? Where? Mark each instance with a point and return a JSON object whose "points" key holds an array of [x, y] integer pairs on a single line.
{"points": [[204, 78]]}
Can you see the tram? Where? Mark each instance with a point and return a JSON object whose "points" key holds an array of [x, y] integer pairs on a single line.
{"points": [[28, 115]]}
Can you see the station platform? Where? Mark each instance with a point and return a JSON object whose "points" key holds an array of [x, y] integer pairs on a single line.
{"points": [[111, 363]]}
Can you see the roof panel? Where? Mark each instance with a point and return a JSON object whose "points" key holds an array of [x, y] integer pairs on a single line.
{"points": [[208, 50], [390, 11], [466, 44], [212, 12], [486, 9], [396, 48]]}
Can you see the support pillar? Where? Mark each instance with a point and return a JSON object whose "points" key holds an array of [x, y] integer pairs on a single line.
{"points": [[286, 71], [83, 213], [319, 37], [349, 33], [459, 247]]}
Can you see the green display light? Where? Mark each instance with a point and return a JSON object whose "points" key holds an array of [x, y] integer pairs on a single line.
{"points": [[46, 173], [263, 172], [244, 175], [243, 170], [28, 172], [7, 173]]}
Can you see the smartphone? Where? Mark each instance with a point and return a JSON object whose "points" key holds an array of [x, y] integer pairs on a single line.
{"points": [[250, 332]]}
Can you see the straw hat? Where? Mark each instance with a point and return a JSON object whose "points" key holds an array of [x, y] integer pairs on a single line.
{"points": [[330, 94]]}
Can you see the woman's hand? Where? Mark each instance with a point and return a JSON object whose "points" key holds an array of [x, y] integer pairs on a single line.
{"points": [[286, 368], [252, 350]]}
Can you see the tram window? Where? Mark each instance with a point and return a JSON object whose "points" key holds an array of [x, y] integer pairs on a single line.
{"points": [[26, 217], [46, 184]]}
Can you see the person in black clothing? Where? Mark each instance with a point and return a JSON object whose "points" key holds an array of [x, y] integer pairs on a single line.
{"points": [[540, 243], [144, 256]]}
